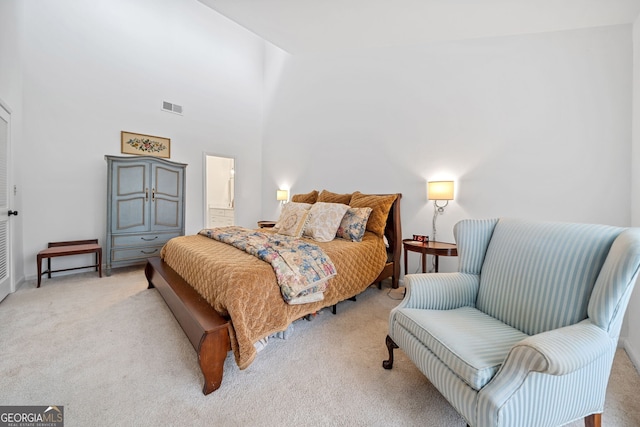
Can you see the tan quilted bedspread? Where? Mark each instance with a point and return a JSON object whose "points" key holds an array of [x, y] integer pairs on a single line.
{"points": [[244, 289]]}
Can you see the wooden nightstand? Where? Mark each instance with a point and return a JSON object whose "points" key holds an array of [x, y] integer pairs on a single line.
{"points": [[266, 224], [428, 248]]}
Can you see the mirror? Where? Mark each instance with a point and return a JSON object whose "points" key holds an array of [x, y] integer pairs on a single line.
{"points": [[219, 180]]}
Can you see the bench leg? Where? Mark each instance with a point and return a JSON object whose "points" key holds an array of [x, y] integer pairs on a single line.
{"points": [[99, 257], [39, 258]]}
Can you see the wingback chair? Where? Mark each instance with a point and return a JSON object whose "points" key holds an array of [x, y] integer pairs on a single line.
{"points": [[524, 334]]}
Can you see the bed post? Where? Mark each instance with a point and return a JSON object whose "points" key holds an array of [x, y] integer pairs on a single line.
{"points": [[393, 231], [212, 353], [396, 244]]}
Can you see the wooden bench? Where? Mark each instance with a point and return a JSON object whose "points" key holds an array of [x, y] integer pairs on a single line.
{"points": [[75, 247]]}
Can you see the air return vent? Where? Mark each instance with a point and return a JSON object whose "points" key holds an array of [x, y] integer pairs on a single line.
{"points": [[171, 108]]}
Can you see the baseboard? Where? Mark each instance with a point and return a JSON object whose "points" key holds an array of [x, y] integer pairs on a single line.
{"points": [[633, 354], [20, 282]]}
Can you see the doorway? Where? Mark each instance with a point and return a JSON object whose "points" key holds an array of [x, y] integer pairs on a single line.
{"points": [[219, 190]]}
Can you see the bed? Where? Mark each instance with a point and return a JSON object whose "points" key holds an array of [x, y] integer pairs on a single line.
{"points": [[226, 299]]}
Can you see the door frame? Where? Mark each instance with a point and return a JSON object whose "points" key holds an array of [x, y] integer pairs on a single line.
{"points": [[4, 108]]}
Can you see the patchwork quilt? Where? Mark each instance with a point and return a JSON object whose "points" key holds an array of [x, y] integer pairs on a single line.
{"points": [[302, 268]]}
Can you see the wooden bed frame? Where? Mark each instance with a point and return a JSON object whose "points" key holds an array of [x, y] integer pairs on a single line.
{"points": [[208, 331]]}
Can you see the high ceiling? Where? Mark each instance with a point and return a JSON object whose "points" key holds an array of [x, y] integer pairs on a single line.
{"points": [[303, 26]]}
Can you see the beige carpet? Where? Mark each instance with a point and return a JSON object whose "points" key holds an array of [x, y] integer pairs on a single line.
{"points": [[110, 351]]}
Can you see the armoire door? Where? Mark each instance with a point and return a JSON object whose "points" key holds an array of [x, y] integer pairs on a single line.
{"points": [[166, 197], [132, 193]]}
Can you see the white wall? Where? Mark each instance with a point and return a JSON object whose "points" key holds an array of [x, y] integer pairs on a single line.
{"points": [[93, 69], [535, 126], [631, 328]]}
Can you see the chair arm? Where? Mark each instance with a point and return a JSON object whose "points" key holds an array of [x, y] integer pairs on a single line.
{"points": [[568, 349], [557, 352], [440, 291]]}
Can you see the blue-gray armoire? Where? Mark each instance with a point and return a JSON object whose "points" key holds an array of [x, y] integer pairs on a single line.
{"points": [[145, 207]]}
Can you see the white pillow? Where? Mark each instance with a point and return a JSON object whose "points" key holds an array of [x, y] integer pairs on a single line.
{"points": [[324, 220]]}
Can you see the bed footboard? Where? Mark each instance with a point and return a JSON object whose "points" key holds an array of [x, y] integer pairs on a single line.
{"points": [[205, 328]]}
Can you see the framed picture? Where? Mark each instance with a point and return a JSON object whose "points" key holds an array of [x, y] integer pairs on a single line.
{"points": [[145, 145]]}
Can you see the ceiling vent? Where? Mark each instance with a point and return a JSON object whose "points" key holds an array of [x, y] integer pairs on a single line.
{"points": [[171, 108]]}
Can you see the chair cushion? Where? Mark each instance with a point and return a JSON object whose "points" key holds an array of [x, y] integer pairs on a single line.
{"points": [[472, 344]]}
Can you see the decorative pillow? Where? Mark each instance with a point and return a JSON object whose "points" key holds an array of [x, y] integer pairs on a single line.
{"points": [[329, 197], [354, 224], [293, 222], [325, 218], [311, 197], [380, 205], [289, 208]]}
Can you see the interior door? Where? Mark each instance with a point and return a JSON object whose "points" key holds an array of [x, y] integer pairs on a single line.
{"points": [[5, 255]]}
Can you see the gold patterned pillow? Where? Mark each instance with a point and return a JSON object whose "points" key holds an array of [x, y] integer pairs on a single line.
{"points": [[380, 205], [354, 224], [293, 223], [329, 197], [324, 220], [311, 197], [289, 208]]}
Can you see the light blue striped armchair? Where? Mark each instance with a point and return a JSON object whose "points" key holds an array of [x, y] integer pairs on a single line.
{"points": [[525, 332]]}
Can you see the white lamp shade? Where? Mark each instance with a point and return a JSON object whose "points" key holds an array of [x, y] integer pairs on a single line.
{"points": [[282, 195], [440, 190]]}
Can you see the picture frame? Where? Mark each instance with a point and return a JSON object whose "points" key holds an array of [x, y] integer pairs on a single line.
{"points": [[145, 145]]}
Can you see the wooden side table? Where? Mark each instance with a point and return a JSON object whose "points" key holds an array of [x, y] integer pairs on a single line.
{"points": [[266, 224], [428, 248]]}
